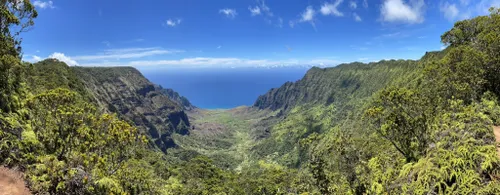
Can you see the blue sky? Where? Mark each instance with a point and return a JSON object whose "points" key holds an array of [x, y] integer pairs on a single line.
{"points": [[235, 33]]}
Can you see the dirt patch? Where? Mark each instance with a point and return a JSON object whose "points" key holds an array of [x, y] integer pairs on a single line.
{"points": [[496, 130], [12, 183]]}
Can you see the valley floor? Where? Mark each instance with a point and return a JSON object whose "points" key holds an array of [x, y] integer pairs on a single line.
{"points": [[224, 135]]}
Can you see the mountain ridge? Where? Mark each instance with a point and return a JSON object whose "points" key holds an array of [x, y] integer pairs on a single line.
{"points": [[126, 91]]}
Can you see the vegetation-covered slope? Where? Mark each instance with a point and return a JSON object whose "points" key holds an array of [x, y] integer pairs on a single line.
{"points": [[427, 129], [124, 90], [181, 100], [121, 90], [335, 85]]}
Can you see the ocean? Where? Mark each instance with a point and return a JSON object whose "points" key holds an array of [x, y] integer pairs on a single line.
{"points": [[224, 88]]}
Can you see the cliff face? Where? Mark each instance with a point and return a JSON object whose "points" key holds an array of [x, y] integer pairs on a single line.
{"points": [[335, 85], [181, 100], [124, 90]]}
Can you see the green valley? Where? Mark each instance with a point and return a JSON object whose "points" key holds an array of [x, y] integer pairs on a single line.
{"points": [[389, 127]]}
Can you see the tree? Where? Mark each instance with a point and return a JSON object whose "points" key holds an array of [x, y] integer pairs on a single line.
{"points": [[400, 117], [81, 146], [16, 16]]}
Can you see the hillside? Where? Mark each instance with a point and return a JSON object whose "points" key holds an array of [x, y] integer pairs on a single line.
{"points": [[124, 90], [337, 84], [181, 100], [236, 136], [392, 127]]}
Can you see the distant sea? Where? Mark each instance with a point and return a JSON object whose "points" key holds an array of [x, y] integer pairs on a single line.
{"points": [[224, 88]]}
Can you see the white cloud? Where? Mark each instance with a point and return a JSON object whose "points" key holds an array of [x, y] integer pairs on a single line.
{"points": [[331, 9], [261, 8], [365, 4], [356, 17], [230, 13], [400, 11], [353, 4], [43, 4], [36, 58], [107, 55], [63, 58], [291, 23], [266, 9], [172, 22], [450, 11], [126, 53], [220, 46], [219, 62], [308, 15], [254, 11]]}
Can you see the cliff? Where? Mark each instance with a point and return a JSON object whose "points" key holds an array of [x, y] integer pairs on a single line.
{"points": [[335, 85], [124, 90]]}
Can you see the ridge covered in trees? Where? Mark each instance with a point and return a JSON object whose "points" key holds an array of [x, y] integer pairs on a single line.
{"points": [[391, 127]]}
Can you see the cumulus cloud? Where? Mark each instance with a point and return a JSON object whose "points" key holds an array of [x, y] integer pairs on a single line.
{"points": [[401, 11], [449, 10], [44, 4], [172, 22], [230, 13], [331, 8], [63, 58]]}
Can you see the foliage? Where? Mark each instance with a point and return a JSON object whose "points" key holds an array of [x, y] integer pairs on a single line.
{"points": [[392, 127]]}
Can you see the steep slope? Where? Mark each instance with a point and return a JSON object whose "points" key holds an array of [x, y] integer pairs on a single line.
{"points": [[335, 85], [124, 90], [274, 126], [181, 100]]}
